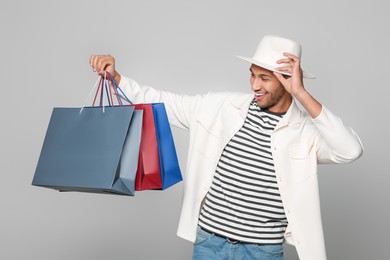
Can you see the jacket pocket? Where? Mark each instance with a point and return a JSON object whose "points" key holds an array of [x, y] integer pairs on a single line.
{"points": [[299, 151], [207, 143], [303, 161]]}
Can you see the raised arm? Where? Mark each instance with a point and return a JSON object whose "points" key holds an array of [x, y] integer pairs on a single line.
{"points": [[294, 84], [336, 142], [179, 107]]}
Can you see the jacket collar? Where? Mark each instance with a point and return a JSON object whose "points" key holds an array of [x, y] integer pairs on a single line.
{"points": [[235, 113], [242, 104], [292, 116]]}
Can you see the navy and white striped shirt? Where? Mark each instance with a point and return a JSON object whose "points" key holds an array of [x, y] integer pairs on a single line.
{"points": [[244, 202]]}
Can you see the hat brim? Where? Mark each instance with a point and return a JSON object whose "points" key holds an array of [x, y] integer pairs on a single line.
{"points": [[268, 67]]}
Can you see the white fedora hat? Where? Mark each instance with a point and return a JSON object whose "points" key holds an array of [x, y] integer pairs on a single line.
{"points": [[271, 49]]}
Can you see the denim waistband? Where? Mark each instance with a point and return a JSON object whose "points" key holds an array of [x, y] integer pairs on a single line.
{"points": [[234, 241]]}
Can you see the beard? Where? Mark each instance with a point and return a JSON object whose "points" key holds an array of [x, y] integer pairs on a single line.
{"points": [[274, 99]]}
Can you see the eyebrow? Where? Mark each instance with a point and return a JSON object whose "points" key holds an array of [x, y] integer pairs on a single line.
{"points": [[261, 74]]}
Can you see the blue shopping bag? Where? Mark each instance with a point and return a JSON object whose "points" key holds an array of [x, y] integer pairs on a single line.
{"points": [[169, 165], [91, 149]]}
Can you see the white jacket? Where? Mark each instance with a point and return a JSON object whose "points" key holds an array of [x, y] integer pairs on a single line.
{"points": [[298, 144]]}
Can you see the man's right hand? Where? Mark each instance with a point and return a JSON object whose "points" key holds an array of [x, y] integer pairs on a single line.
{"points": [[102, 63]]}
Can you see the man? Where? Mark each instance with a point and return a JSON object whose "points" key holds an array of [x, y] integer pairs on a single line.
{"points": [[251, 178]]}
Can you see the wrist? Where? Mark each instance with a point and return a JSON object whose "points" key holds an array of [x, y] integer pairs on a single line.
{"points": [[117, 77], [309, 103], [300, 94]]}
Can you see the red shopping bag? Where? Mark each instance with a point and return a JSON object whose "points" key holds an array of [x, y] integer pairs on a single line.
{"points": [[148, 173]]}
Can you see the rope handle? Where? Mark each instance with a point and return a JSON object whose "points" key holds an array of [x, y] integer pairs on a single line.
{"points": [[106, 86], [116, 87]]}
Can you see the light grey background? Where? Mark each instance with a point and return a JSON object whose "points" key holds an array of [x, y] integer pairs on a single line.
{"points": [[185, 47]]}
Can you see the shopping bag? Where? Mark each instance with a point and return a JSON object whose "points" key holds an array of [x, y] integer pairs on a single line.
{"points": [[148, 173], [169, 164], [158, 166], [92, 149]]}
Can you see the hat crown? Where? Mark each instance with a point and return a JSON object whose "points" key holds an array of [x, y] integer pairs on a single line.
{"points": [[271, 49]]}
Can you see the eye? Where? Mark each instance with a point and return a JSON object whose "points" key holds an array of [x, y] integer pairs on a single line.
{"points": [[264, 78]]}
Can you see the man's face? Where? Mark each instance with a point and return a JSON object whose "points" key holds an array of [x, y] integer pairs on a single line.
{"points": [[269, 92]]}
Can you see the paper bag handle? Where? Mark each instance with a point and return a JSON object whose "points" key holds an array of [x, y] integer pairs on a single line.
{"points": [[107, 84]]}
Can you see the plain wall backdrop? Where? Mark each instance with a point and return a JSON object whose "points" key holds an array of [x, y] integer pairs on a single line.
{"points": [[185, 47]]}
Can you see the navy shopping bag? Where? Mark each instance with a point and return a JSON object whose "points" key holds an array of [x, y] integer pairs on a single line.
{"points": [[92, 149]]}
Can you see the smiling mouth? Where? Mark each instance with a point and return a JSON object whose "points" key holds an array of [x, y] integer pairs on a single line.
{"points": [[259, 95]]}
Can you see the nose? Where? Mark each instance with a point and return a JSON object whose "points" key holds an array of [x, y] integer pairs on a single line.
{"points": [[256, 84]]}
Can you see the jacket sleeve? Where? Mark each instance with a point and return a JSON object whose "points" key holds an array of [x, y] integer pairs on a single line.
{"points": [[336, 143], [180, 108]]}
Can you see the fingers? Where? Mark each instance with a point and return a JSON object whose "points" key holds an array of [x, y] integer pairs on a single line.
{"points": [[102, 63], [290, 64], [284, 69], [291, 56], [99, 63], [290, 59]]}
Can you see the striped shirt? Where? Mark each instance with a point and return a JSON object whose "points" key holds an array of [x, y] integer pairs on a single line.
{"points": [[244, 202]]}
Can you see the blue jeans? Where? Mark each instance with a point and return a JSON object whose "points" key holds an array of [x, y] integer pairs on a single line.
{"points": [[211, 247]]}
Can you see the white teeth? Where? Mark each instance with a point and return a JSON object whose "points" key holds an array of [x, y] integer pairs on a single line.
{"points": [[259, 94]]}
